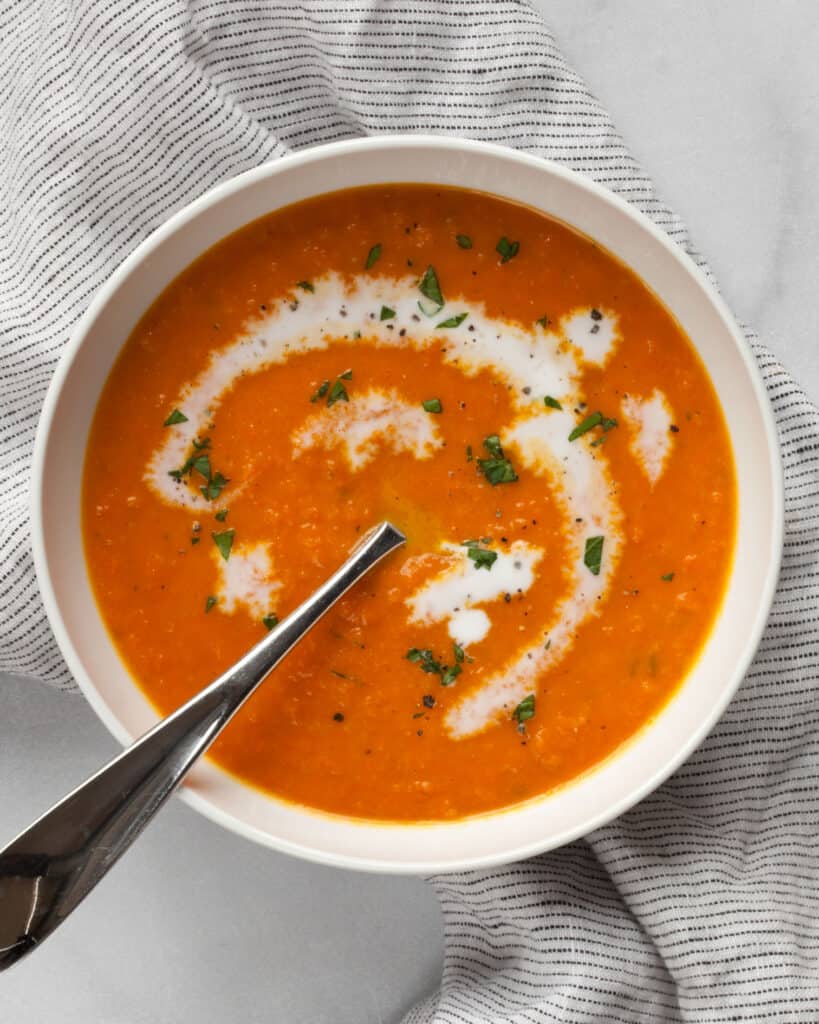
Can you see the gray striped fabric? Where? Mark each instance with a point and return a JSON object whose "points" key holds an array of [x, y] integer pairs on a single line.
{"points": [[699, 905]]}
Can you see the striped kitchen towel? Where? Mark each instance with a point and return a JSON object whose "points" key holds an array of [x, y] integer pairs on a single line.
{"points": [[701, 903]]}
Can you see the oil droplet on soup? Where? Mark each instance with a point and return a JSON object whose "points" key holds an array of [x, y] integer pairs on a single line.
{"points": [[524, 408]]}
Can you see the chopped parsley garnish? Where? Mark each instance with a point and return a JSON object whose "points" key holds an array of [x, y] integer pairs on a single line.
{"points": [[669, 576], [269, 621], [552, 403], [201, 465], [433, 405], [338, 393], [454, 321], [386, 313], [306, 286], [224, 541], [222, 514], [449, 675], [594, 419], [459, 653], [589, 423], [175, 417], [543, 321], [482, 557], [464, 241], [214, 487], [429, 287], [373, 256], [427, 662], [506, 249], [497, 469], [525, 710], [593, 554], [493, 446], [423, 657], [600, 440], [210, 601], [214, 482]]}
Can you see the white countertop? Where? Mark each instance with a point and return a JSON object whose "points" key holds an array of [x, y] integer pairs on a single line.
{"points": [[718, 101]]}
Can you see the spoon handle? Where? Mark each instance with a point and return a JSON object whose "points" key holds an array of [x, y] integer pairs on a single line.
{"points": [[48, 869]]}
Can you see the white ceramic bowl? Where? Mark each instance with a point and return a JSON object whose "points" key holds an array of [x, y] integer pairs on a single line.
{"points": [[627, 776]]}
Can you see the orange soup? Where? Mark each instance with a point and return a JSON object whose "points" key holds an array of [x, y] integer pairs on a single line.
{"points": [[508, 394]]}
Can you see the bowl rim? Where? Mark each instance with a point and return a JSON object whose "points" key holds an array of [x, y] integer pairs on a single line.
{"points": [[449, 144]]}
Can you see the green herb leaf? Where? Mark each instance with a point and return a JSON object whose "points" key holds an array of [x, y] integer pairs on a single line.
{"points": [[669, 576], [449, 675], [224, 541], [214, 487], [464, 241], [609, 423], [543, 321], [507, 250], [373, 256], [482, 557], [175, 417], [589, 423], [498, 469], [600, 440], [222, 514], [338, 393], [210, 601], [593, 554], [347, 375], [552, 403], [386, 313], [433, 405], [431, 290], [320, 391], [424, 658], [200, 446], [454, 321], [201, 465], [493, 445], [459, 653], [269, 621], [306, 286], [525, 710]]}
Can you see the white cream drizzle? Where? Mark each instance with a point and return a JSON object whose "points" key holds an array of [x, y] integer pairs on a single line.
{"points": [[246, 579], [593, 333], [335, 312], [649, 424], [533, 362], [581, 485], [371, 419], [462, 586]]}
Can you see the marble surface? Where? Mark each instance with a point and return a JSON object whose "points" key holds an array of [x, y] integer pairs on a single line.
{"points": [[719, 102]]}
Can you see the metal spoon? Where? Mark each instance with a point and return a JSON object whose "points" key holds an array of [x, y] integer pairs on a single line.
{"points": [[48, 869]]}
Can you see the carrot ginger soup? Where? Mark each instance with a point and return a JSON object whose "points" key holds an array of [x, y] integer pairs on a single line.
{"points": [[508, 394]]}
